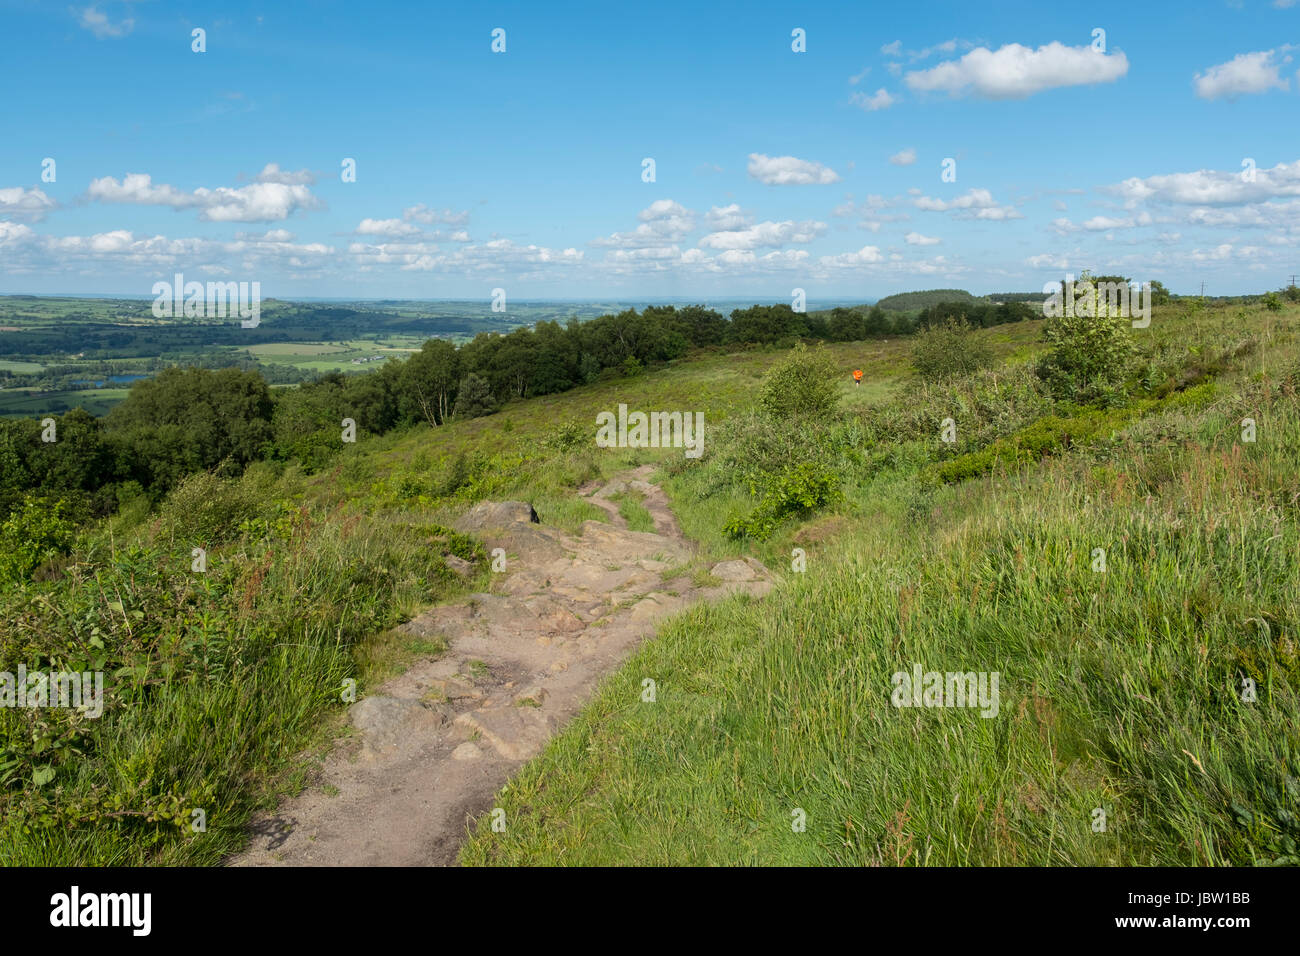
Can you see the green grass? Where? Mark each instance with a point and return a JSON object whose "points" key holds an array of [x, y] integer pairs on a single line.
{"points": [[633, 511], [1121, 691]]}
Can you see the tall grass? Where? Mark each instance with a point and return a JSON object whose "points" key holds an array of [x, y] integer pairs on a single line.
{"points": [[1147, 710]]}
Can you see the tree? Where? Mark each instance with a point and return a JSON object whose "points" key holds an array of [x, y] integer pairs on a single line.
{"points": [[474, 398], [192, 419], [846, 325], [427, 382]]}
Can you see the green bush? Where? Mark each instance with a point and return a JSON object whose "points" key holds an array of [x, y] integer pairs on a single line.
{"points": [[1273, 302], [797, 491], [567, 436], [34, 533], [803, 383], [1090, 356], [205, 509], [945, 351]]}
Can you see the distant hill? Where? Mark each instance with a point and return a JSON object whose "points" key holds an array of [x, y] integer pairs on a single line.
{"points": [[904, 301]]}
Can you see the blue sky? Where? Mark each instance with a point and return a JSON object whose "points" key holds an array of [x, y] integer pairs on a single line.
{"points": [[774, 169]]}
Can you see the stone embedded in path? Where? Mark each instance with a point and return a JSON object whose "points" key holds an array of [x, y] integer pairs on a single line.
{"points": [[385, 721], [737, 569], [516, 733]]}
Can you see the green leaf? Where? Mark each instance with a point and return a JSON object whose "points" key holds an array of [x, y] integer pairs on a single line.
{"points": [[42, 775]]}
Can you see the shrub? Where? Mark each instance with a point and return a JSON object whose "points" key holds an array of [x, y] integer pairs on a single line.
{"points": [[567, 436], [1273, 302], [804, 382], [948, 350], [1090, 356], [797, 491], [475, 398], [36, 532], [204, 508]]}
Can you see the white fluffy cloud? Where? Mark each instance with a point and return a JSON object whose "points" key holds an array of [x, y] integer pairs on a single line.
{"points": [[258, 202], [99, 24], [30, 204], [1213, 187], [916, 239], [727, 218], [973, 204], [879, 100], [663, 223], [272, 173], [904, 157], [764, 234], [423, 214], [389, 228], [1244, 73], [789, 171], [1014, 71]]}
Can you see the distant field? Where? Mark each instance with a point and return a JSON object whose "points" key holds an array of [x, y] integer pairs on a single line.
{"points": [[337, 356], [283, 349], [22, 368], [26, 403]]}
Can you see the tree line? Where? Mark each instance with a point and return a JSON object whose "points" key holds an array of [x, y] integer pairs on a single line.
{"points": [[188, 419]]}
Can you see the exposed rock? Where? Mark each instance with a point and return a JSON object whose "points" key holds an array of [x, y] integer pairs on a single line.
{"points": [[462, 567], [496, 514]]}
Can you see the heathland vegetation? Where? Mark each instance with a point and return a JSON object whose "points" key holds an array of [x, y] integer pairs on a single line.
{"points": [[1105, 516]]}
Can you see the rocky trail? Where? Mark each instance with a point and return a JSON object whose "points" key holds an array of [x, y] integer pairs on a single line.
{"points": [[437, 742]]}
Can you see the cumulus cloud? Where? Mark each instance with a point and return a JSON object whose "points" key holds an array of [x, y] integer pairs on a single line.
{"points": [[1244, 73], [974, 204], [727, 218], [99, 24], [29, 204], [789, 171], [423, 214], [389, 228], [1014, 71], [663, 222], [916, 239], [1213, 187], [272, 173], [258, 202], [879, 100], [867, 255], [764, 234], [904, 157]]}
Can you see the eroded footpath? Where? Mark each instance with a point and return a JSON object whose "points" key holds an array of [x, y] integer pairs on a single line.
{"points": [[437, 742]]}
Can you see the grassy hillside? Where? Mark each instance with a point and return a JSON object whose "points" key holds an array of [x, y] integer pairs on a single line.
{"points": [[1120, 690]]}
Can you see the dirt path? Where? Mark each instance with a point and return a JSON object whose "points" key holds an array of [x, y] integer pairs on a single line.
{"points": [[438, 742]]}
